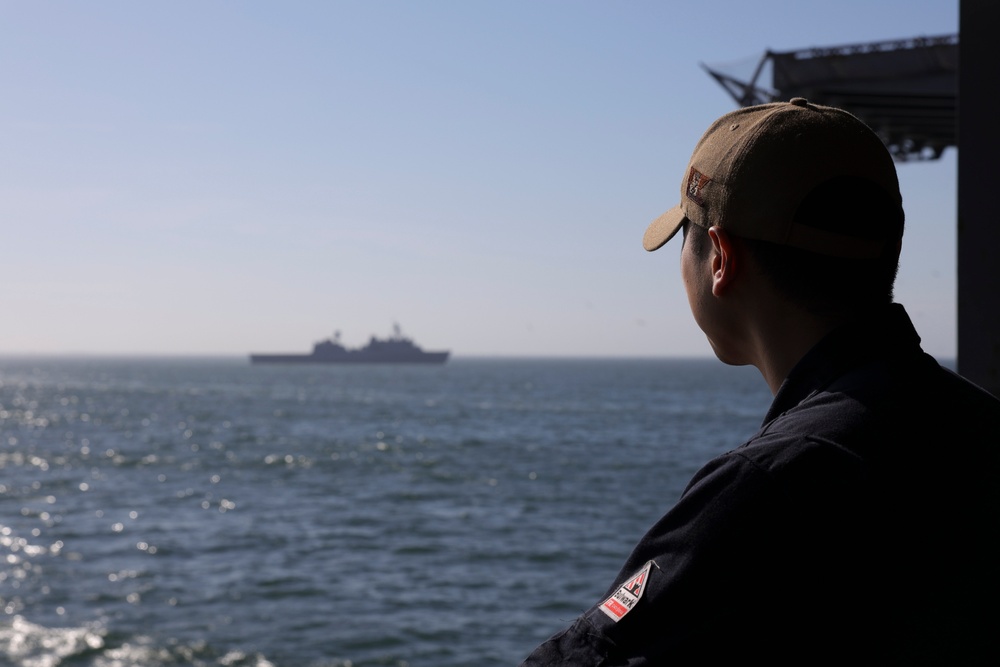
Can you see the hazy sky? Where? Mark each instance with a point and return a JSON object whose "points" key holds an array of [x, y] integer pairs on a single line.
{"points": [[226, 177]]}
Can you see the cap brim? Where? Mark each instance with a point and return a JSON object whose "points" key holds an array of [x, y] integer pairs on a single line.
{"points": [[663, 229]]}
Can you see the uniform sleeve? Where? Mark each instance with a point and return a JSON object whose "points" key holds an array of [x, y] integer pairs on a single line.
{"points": [[683, 590]]}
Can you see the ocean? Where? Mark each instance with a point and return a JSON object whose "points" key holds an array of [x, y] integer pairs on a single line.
{"points": [[207, 512]]}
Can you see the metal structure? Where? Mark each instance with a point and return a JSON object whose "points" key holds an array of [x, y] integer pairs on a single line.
{"points": [[978, 233], [906, 90]]}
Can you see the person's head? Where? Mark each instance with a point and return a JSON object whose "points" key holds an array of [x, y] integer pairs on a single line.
{"points": [[809, 193]]}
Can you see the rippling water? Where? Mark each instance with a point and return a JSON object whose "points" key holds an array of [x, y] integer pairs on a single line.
{"points": [[208, 512]]}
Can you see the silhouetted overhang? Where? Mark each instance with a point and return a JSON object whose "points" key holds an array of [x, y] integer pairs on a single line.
{"points": [[905, 90]]}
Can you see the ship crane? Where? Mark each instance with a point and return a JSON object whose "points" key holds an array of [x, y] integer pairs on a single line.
{"points": [[904, 89]]}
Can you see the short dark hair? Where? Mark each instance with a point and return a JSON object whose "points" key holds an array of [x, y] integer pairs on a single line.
{"points": [[825, 285]]}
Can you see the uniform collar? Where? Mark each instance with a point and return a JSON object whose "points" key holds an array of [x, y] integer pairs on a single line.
{"points": [[882, 333]]}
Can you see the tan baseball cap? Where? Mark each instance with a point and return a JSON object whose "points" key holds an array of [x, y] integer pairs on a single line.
{"points": [[754, 166]]}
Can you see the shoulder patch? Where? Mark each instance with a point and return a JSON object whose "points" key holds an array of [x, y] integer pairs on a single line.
{"points": [[625, 598]]}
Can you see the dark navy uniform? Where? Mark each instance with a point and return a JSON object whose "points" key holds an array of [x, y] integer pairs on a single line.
{"points": [[861, 524]]}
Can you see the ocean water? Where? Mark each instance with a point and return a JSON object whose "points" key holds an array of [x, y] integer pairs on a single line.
{"points": [[207, 512]]}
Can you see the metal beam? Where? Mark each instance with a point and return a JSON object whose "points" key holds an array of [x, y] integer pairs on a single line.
{"points": [[978, 231]]}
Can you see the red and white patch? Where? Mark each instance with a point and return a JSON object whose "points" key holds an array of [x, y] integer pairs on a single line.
{"points": [[695, 185], [625, 598]]}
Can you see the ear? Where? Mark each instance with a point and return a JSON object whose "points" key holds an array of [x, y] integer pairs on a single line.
{"points": [[724, 260]]}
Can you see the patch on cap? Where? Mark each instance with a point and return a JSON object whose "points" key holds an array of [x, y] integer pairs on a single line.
{"points": [[625, 598], [696, 183]]}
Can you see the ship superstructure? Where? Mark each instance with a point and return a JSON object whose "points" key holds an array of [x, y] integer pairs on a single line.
{"points": [[396, 349]]}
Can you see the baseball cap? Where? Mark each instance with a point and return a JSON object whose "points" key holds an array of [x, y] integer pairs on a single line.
{"points": [[754, 166]]}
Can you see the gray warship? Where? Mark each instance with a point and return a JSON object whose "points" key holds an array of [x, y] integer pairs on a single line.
{"points": [[397, 349]]}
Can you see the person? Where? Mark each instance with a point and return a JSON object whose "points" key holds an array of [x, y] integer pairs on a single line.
{"points": [[861, 523]]}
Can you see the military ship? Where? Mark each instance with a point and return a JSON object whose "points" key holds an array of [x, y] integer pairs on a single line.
{"points": [[397, 349]]}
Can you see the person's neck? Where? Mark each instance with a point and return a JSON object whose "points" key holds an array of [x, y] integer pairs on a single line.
{"points": [[782, 335]]}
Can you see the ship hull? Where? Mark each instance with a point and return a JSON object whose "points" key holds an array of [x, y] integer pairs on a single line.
{"points": [[351, 358]]}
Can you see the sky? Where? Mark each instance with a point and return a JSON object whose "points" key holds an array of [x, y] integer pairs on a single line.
{"points": [[219, 178]]}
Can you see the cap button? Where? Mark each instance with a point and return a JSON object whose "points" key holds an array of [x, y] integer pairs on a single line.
{"points": [[799, 101]]}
